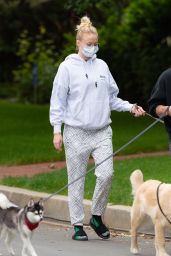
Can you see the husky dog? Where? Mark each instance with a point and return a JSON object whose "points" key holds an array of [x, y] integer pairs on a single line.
{"points": [[24, 220]]}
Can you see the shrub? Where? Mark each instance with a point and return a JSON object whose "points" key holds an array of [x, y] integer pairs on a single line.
{"points": [[35, 74]]}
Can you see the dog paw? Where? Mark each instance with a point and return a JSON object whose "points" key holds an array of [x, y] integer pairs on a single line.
{"points": [[134, 250]]}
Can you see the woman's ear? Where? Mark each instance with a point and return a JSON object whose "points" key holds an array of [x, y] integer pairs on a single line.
{"points": [[77, 44]]}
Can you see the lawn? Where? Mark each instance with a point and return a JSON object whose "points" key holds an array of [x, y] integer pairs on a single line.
{"points": [[152, 168], [26, 135]]}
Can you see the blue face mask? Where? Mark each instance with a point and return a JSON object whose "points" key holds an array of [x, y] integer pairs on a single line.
{"points": [[89, 51]]}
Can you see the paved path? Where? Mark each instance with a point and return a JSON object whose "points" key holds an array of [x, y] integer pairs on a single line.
{"points": [[33, 169], [30, 170], [56, 240]]}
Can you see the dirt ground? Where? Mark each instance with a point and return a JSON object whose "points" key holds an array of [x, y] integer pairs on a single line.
{"points": [[32, 169]]}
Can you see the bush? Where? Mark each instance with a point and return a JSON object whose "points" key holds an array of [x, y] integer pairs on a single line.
{"points": [[7, 91], [35, 74], [136, 46]]}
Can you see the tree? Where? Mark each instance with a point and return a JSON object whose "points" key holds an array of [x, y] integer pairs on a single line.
{"points": [[139, 49], [19, 15], [35, 75], [134, 38]]}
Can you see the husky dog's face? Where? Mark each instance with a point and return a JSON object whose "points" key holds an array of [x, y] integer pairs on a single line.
{"points": [[34, 211]]}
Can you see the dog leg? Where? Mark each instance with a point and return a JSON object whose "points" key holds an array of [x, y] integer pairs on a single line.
{"points": [[24, 249], [136, 219], [27, 247], [2, 231], [8, 240], [0, 236], [159, 240]]}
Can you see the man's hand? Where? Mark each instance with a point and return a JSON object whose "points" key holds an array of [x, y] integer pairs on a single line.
{"points": [[137, 111], [162, 110], [57, 141]]}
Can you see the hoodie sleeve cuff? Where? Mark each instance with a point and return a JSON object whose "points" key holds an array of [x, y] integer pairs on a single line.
{"points": [[57, 129], [130, 107]]}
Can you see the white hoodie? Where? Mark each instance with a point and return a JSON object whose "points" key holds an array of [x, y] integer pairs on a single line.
{"points": [[84, 93]]}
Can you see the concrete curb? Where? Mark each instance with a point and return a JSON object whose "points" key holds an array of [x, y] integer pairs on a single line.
{"points": [[116, 217]]}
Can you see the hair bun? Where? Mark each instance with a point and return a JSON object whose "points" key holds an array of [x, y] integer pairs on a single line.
{"points": [[85, 26], [85, 21]]}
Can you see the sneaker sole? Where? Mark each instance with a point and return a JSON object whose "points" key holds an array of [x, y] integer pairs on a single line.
{"points": [[80, 239]]}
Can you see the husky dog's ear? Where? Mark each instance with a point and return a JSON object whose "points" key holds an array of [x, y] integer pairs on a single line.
{"points": [[40, 202], [30, 203]]}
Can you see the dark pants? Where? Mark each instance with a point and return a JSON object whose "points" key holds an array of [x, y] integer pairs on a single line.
{"points": [[170, 145]]}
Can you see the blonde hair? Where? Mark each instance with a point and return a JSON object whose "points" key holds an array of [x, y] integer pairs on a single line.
{"points": [[85, 27]]}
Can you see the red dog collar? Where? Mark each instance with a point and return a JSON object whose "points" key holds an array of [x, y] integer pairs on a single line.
{"points": [[30, 225]]}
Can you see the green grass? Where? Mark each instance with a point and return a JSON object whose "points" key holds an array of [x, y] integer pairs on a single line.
{"points": [[152, 168], [26, 135]]}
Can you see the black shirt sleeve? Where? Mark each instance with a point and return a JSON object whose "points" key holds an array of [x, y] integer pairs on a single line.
{"points": [[158, 95], [161, 95]]}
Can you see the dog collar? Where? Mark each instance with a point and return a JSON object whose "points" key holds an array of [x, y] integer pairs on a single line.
{"points": [[30, 225]]}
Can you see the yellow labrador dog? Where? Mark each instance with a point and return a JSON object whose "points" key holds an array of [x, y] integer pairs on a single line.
{"points": [[154, 199]]}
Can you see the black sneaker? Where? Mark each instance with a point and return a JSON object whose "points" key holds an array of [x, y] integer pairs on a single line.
{"points": [[98, 226], [80, 234]]}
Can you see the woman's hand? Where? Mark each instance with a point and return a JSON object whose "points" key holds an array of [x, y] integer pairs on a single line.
{"points": [[137, 111], [57, 141]]}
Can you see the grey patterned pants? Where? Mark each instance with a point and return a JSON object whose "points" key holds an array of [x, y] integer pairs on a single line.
{"points": [[79, 145]]}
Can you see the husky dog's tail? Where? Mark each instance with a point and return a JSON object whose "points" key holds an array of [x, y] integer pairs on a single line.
{"points": [[5, 203], [136, 179]]}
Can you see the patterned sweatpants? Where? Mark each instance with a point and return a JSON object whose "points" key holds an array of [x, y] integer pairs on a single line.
{"points": [[79, 145]]}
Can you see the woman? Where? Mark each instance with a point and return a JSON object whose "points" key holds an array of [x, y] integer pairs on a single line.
{"points": [[84, 93]]}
